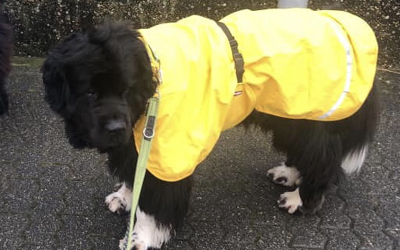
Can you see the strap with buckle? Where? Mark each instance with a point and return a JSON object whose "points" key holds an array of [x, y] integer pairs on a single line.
{"points": [[237, 56]]}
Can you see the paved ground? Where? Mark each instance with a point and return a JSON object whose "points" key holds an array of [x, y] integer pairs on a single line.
{"points": [[51, 196]]}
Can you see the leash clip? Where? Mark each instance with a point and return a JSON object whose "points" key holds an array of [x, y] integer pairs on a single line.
{"points": [[148, 131]]}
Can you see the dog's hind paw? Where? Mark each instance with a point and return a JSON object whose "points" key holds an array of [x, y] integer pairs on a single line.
{"points": [[120, 201], [284, 175], [291, 201]]}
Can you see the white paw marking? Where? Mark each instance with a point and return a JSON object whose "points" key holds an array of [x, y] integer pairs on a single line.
{"points": [[290, 201], [146, 233], [136, 243], [120, 201], [284, 175]]}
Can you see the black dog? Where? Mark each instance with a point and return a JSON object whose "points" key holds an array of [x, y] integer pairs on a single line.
{"points": [[5, 61], [100, 82]]}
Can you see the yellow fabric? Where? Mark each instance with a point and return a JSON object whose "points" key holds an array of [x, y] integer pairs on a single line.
{"points": [[295, 67]]}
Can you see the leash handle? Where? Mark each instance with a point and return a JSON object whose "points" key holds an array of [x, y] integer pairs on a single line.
{"points": [[141, 164]]}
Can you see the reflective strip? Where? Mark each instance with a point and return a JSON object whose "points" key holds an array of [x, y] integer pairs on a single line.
{"points": [[346, 44]]}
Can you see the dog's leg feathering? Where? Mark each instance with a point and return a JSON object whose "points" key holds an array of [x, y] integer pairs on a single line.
{"points": [[354, 160]]}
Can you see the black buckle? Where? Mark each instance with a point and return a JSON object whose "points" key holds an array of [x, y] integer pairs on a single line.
{"points": [[239, 66], [233, 43]]}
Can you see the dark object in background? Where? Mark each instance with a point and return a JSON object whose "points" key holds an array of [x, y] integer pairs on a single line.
{"points": [[5, 60]]}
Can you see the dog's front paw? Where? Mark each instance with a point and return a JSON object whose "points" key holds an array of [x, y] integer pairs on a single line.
{"points": [[147, 233], [290, 201], [284, 175], [120, 201], [136, 243]]}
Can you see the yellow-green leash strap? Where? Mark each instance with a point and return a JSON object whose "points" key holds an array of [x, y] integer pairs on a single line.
{"points": [[148, 134]]}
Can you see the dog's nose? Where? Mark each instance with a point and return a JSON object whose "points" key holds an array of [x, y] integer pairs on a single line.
{"points": [[115, 125]]}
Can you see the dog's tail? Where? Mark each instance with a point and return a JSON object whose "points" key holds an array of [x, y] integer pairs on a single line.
{"points": [[354, 160]]}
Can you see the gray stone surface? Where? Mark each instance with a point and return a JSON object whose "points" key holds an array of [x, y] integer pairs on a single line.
{"points": [[52, 196], [39, 24]]}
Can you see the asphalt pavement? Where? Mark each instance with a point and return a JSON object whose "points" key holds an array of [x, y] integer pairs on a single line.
{"points": [[52, 196]]}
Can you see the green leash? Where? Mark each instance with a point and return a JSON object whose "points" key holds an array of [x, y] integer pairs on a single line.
{"points": [[148, 134]]}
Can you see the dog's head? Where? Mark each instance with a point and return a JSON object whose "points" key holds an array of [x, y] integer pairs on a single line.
{"points": [[99, 81]]}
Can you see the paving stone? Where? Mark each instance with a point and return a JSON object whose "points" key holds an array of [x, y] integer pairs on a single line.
{"points": [[301, 223], [178, 245], [373, 176], [369, 222], [388, 208], [378, 241], [240, 245], [273, 216], [274, 237], [309, 239], [336, 220], [392, 228], [107, 224], [75, 232], [12, 229], [7, 171], [184, 233], [42, 224], [41, 240], [205, 206], [244, 234], [80, 198], [26, 169], [341, 240], [20, 195], [207, 235], [332, 215], [102, 242]]}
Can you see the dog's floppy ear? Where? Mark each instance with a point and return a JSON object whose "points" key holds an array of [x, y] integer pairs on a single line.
{"points": [[56, 86], [54, 74]]}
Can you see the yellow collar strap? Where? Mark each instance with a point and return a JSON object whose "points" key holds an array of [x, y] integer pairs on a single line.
{"points": [[154, 61]]}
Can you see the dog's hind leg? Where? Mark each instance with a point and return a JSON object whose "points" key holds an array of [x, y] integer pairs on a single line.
{"points": [[317, 153]]}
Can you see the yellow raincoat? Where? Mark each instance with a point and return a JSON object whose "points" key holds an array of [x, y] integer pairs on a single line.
{"points": [[299, 64]]}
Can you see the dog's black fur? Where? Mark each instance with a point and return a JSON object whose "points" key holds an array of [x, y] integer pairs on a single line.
{"points": [[104, 77], [6, 47]]}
